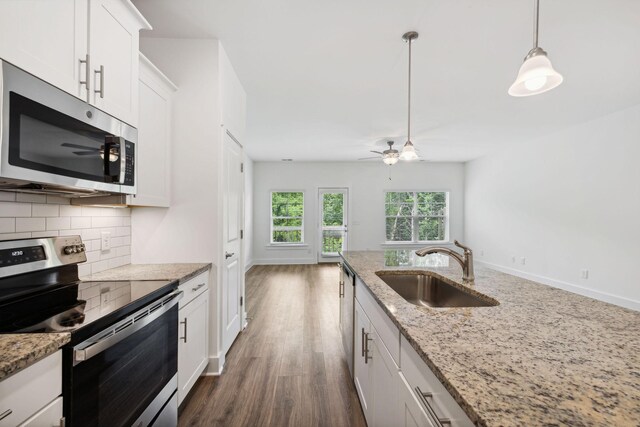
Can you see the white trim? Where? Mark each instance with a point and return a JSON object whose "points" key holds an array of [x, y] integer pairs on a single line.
{"points": [[282, 246], [284, 261], [576, 289], [301, 228], [320, 191], [414, 216], [215, 366], [421, 244], [248, 265]]}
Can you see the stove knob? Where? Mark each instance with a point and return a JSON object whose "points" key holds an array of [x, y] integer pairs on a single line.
{"points": [[81, 247], [68, 250]]}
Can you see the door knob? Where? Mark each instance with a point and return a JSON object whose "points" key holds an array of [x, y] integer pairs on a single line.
{"points": [[228, 255]]}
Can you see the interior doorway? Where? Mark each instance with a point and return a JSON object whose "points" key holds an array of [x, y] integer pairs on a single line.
{"points": [[333, 222]]}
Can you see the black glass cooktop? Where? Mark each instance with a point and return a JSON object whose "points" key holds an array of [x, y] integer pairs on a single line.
{"points": [[77, 305]]}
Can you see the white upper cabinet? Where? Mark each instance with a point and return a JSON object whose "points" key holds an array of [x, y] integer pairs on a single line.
{"points": [[88, 48], [48, 39], [154, 138], [233, 99], [114, 27]]}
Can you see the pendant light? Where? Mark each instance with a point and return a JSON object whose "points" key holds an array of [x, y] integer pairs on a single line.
{"points": [[536, 75], [409, 151]]}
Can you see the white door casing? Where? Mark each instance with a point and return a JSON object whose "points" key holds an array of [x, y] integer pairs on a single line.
{"points": [[233, 269]]}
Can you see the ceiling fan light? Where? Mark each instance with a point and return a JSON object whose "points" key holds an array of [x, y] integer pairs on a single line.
{"points": [[390, 159], [536, 75], [408, 152]]}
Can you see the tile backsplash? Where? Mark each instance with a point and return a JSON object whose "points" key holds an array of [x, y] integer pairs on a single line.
{"points": [[34, 215]]}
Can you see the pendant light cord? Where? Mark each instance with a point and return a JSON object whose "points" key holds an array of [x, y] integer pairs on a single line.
{"points": [[536, 15], [409, 98]]}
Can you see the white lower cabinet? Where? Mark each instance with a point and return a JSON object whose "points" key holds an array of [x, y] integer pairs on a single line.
{"points": [[32, 397], [193, 332], [394, 384]]}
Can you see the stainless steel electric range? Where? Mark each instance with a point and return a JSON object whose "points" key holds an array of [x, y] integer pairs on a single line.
{"points": [[120, 367]]}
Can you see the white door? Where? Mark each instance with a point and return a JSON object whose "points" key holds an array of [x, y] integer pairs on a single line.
{"points": [[233, 269], [333, 220]]}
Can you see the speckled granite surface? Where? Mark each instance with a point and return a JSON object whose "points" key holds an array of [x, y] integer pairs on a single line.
{"points": [[18, 351], [180, 272], [543, 357]]}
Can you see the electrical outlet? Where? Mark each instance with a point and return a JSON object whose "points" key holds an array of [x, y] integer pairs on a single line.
{"points": [[513, 259], [104, 297], [584, 274], [105, 241], [523, 260]]}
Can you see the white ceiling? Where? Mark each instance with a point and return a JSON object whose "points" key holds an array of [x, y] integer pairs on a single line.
{"points": [[326, 80]]}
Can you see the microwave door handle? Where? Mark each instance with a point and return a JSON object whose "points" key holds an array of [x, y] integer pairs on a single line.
{"points": [[123, 160]]}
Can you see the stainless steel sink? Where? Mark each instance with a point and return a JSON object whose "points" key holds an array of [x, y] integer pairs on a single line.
{"points": [[429, 291]]}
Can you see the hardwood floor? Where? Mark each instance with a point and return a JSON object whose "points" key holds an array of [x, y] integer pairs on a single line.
{"points": [[287, 368]]}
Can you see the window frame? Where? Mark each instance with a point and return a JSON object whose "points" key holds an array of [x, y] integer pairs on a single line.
{"points": [[415, 217], [286, 228]]}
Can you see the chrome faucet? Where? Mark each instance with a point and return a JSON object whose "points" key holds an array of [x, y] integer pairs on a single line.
{"points": [[466, 261]]}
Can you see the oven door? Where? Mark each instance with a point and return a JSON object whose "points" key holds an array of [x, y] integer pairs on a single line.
{"points": [[51, 137], [126, 375]]}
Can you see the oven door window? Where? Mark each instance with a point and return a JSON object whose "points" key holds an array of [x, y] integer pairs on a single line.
{"points": [[46, 140], [114, 387]]}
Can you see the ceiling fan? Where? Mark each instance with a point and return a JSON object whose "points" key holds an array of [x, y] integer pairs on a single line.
{"points": [[92, 151], [390, 156]]}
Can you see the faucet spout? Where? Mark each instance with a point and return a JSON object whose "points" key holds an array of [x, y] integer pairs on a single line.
{"points": [[465, 260]]}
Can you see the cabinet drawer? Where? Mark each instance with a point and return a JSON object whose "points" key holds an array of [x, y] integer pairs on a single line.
{"points": [[418, 375], [194, 287], [388, 331], [31, 389], [49, 416]]}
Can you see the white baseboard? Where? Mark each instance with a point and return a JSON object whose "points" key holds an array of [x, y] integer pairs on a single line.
{"points": [[284, 261], [215, 366], [576, 289], [248, 265]]}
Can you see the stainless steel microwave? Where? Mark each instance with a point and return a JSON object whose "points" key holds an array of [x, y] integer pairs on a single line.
{"points": [[53, 142]]}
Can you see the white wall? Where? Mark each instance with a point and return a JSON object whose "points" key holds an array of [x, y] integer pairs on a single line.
{"points": [[188, 231], [23, 216], [248, 213], [566, 202], [366, 182]]}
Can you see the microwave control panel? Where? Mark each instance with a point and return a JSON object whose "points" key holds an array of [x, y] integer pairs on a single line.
{"points": [[129, 175]]}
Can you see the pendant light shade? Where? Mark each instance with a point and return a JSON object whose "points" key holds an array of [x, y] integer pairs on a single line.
{"points": [[408, 152], [536, 75]]}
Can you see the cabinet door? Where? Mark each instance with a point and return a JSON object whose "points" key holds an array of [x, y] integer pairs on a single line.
{"points": [[47, 39], [361, 364], [192, 343], [113, 47], [410, 411], [49, 416], [347, 321], [153, 168], [384, 377]]}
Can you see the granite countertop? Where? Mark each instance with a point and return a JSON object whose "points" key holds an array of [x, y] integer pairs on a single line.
{"points": [[179, 272], [542, 357], [17, 351]]}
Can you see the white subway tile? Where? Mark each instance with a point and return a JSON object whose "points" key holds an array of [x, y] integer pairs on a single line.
{"points": [[80, 222], [31, 198], [90, 233], [60, 223], [11, 209], [126, 221], [7, 225], [84, 270], [93, 244], [99, 266], [111, 253], [93, 256], [116, 262], [69, 233], [126, 240], [30, 224], [58, 200], [70, 210], [91, 211], [12, 236], [123, 231], [106, 221], [39, 234], [126, 260], [6, 196], [45, 210], [123, 250]]}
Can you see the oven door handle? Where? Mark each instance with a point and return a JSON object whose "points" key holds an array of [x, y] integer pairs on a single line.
{"points": [[124, 328]]}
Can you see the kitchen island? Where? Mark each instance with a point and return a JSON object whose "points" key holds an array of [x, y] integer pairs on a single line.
{"points": [[543, 356]]}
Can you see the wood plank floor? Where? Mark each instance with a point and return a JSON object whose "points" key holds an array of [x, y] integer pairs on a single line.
{"points": [[287, 368]]}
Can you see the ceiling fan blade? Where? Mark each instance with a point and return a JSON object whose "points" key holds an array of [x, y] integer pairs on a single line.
{"points": [[82, 147], [369, 158], [377, 152], [86, 153]]}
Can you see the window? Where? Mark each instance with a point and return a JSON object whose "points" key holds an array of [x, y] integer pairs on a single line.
{"points": [[287, 217], [413, 216]]}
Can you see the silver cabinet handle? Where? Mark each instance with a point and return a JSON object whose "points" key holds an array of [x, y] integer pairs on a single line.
{"points": [[439, 422], [63, 422], [101, 90], [195, 288], [184, 338], [228, 255], [5, 414], [87, 73], [341, 290], [366, 348], [362, 342]]}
